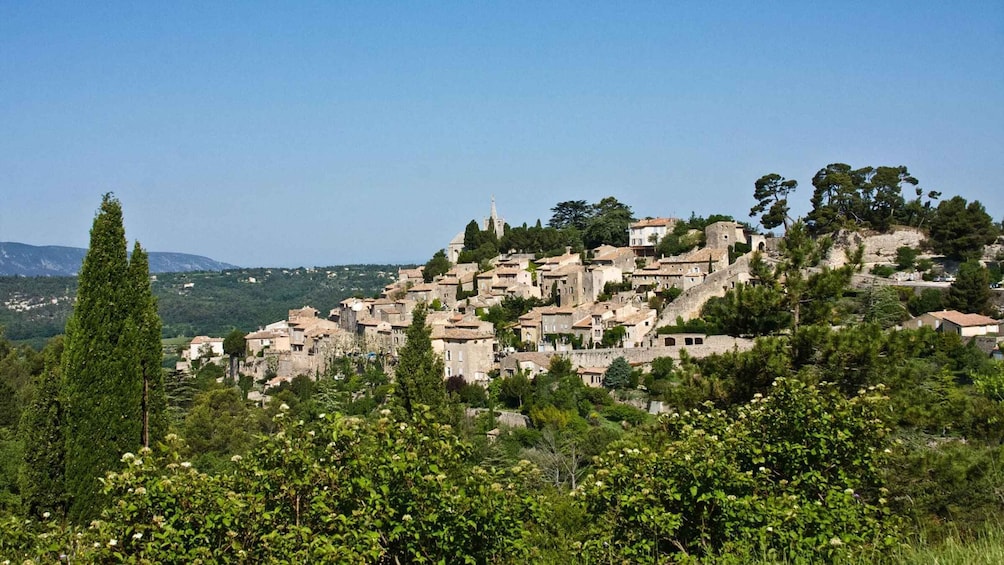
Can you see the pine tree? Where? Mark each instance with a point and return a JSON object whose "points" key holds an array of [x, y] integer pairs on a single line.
{"points": [[102, 394], [148, 350], [419, 371], [41, 475], [971, 290], [618, 374]]}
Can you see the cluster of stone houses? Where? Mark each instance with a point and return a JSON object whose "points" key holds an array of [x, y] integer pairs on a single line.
{"points": [[580, 315]]}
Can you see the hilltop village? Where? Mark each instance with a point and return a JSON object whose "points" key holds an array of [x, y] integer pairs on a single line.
{"points": [[590, 307]]}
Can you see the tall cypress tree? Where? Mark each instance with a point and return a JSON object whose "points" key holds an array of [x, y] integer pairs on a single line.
{"points": [[148, 350], [419, 372], [41, 476], [102, 394]]}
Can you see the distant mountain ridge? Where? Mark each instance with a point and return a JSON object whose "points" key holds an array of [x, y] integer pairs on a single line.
{"points": [[21, 259]]}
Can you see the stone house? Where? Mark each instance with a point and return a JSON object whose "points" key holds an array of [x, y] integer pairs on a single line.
{"points": [[609, 256], [637, 326], [596, 278], [592, 376], [266, 340], [412, 275], [644, 235], [600, 317], [565, 283], [349, 312], [203, 346], [422, 292], [557, 319], [681, 271], [531, 362], [529, 327], [550, 263], [498, 281], [722, 235], [467, 348], [952, 321]]}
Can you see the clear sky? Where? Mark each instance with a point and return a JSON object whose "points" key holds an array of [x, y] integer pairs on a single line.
{"points": [[301, 134]]}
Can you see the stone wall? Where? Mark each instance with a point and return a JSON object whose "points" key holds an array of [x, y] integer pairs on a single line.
{"points": [[688, 305], [639, 355]]}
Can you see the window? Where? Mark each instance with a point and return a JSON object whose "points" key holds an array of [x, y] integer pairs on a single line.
{"points": [[460, 356], [448, 356]]}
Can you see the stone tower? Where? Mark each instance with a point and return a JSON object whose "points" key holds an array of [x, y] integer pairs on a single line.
{"points": [[495, 220]]}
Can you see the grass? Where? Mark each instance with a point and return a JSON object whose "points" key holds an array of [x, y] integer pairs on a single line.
{"points": [[985, 548]]}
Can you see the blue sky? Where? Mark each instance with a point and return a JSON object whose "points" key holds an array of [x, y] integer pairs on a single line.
{"points": [[300, 134]]}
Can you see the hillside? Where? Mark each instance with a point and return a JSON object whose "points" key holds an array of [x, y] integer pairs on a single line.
{"points": [[20, 259], [211, 303]]}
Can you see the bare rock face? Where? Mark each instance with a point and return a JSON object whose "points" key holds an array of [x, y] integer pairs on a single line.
{"points": [[879, 247], [994, 251]]}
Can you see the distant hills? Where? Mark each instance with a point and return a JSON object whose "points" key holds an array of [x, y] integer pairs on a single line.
{"points": [[20, 259]]}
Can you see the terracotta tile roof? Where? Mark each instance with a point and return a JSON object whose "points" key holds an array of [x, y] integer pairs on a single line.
{"points": [[531, 318], [552, 310], [200, 339], [698, 255], [459, 334], [537, 358], [653, 222], [637, 318], [613, 254], [264, 334], [563, 271], [965, 320]]}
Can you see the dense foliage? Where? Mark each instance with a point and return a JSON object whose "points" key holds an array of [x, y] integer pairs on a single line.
{"points": [[111, 389]]}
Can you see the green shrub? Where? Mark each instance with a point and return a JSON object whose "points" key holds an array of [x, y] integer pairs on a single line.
{"points": [[793, 476], [884, 271]]}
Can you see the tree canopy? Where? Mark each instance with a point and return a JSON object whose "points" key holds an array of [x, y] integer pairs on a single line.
{"points": [[971, 290], [865, 197], [959, 230], [436, 266], [771, 193]]}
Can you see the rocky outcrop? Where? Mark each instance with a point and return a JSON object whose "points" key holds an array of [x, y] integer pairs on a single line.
{"points": [[879, 247]]}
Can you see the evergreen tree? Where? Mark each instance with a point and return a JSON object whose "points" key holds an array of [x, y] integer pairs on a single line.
{"points": [[148, 350], [472, 236], [41, 476], [235, 346], [618, 374], [959, 230], [438, 265], [771, 193], [419, 371], [102, 394], [971, 290], [882, 306]]}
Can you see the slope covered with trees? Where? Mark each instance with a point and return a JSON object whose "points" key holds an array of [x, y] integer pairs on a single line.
{"points": [[202, 303]]}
